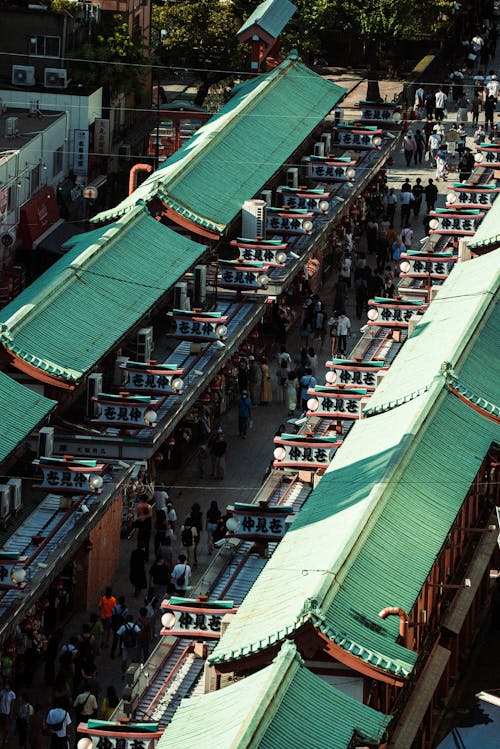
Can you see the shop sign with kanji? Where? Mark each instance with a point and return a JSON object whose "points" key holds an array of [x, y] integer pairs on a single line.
{"points": [[471, 196], [114, 735], [314, 201], [377, 112], [335, 402], [489, 154], [332, 171], [351, 372], [391, 314], [289, 222], [187, 617], [452, 222], [358, 138], [64, 476], [245, 277], [424, 266], [294, 451], [151, 378], [126, 411], [257, 523], [272, 253], [197, 326]]}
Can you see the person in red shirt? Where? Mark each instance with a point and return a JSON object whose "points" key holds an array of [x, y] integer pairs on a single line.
{"points": [[106, 604]]}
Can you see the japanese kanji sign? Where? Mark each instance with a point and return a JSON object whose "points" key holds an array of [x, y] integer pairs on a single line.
{"points": [[289, 222], [335, 402], [307, 200], [423, 266], [490, 154], [331, 171], [81, 152], [150, 379], [357, 138], [375, 112], [185, 617], [464, 224], [292, 451], [111, 735], [362, 374], [386, 313], [258, 523], [127, 412], [472, 196], [241, 276], [64, 476], [197, 327]]}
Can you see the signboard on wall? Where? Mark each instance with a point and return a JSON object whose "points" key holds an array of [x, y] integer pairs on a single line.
{"points": [[81, 152], [101, 136]]}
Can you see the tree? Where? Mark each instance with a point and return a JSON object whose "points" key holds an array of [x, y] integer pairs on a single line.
{"points": [[116, 59], [202, 36]]}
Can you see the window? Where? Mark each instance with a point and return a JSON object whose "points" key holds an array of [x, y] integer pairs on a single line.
{"points": [[57, 163], [45, 46], [35, 179]]}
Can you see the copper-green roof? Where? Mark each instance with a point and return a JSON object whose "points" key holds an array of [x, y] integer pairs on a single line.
{"points": [[78, 309], [21, 411], [237, 151], [271, 16], [488, 233], [391, 492], [282, 706]]}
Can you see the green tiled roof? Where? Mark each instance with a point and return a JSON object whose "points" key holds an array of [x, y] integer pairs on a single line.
{"points": [[233, 155], [283, 705], [390, 494], [488, 233], [271, 16], [78, 309], [22, 410]]}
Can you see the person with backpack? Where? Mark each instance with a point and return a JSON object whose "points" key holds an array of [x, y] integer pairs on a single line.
{"points": [[145, 636], [85, 705], [57, 723], [181, 576], [106, 604], [120, 611], [307, 381], [128, 635], [159, 579], [86, 645], [188, 535]]}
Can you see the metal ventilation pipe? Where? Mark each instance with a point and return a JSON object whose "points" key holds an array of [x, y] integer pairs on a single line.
{"points": [[403, 618]]}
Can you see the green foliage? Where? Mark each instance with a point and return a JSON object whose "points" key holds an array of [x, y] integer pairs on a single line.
{"points": [[120, 59]]}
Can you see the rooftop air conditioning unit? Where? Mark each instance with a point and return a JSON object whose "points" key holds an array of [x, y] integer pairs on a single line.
{"points": [[180, 295], [200, 285], [11, 127], [253, 219], [144, 344], [5, 493], [326, 138], [94, 387], [45, 442], [319, 148], [16, 495], [267, 195], [55, 78], [292, 177], [23, 75], [305, 167], [119, 374]]}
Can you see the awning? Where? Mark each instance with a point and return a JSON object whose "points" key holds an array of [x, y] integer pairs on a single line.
{"points": [[417, 705], [53, 239]]}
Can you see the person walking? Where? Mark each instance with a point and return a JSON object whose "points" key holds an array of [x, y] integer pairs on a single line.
{"points": [[420, 141], [159, 579], [466, 165], [406, 201], [24, 713], [431, 194], [219, 450], [128, 634], [418, 192], [36, 727], [213, 517], [244, 404], [475, 108], [343, 331], [188, 534], [109, 703], [58, 721], [106, 604], [197, 518], [137, 571], [291, 392], [266, 389], [143, 523], [181, 576], [85, 705], [463, 108], [442, 164], [391, 202], [120, 611], [307, 381], [441, 100], [144, 636], [253, 378], [409, 147], [489, 111]]}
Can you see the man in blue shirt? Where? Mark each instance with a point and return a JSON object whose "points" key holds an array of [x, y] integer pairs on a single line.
{"points": [[244, 404]]}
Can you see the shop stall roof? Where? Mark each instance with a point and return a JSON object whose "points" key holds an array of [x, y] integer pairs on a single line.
{"points": [[279, 706], [238, 150], [390, 494], [271, 16], [488, 234], [63, 323], [22, 410]]}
